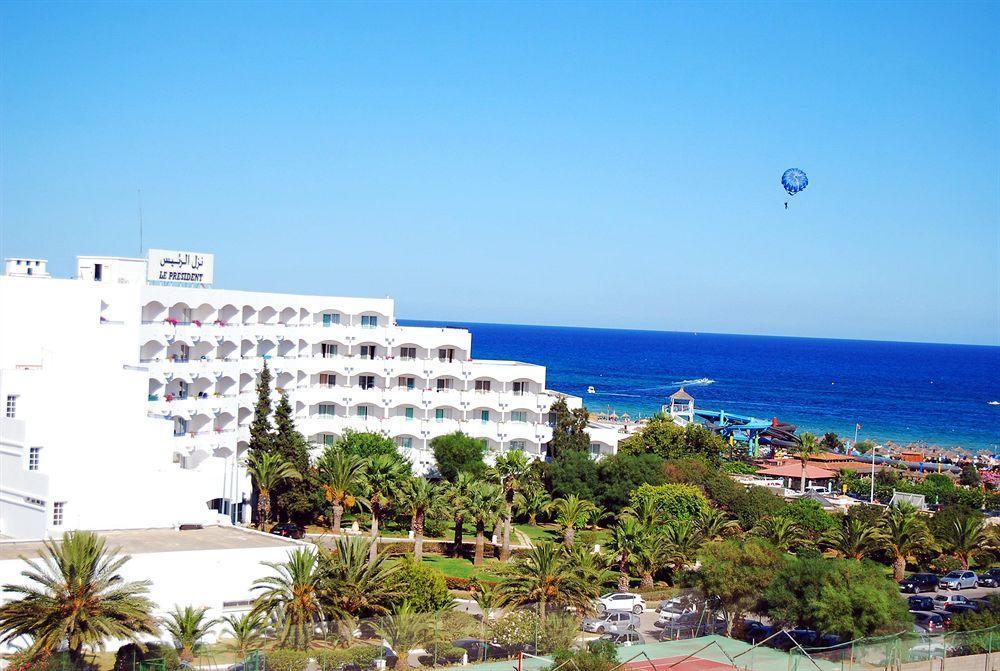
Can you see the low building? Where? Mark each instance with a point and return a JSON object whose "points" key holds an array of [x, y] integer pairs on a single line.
{"points": [[791, 475]]}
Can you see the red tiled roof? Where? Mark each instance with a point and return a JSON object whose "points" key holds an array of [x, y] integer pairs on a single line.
{"points": [[794, 470]]}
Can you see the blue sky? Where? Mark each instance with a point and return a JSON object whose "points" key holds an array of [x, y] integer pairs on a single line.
{"points": [[576, 164]]}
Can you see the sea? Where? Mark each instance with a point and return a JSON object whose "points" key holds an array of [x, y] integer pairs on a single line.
{"points": [[935, 394]]}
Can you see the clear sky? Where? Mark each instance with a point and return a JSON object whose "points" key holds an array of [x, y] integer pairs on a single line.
{"points": [[577, 164]]}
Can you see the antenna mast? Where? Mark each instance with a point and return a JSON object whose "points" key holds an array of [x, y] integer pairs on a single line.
{"points": [[139, 192]]}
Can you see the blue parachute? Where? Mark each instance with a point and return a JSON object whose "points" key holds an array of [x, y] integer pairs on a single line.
{"points": [[794, 180]]}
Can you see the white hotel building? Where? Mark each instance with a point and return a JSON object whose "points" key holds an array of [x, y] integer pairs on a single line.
{"points": [[128, 400]]}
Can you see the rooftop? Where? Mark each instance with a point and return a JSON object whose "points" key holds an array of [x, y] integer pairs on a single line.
{"points": [[142, 541], [795, 471]]}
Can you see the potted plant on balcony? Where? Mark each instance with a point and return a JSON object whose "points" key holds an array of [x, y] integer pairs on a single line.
{"points": [[170, 320], [196, 322], [220, 322], [169, 397]]}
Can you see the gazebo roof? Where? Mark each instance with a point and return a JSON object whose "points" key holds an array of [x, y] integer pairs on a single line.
{"points": [[681, 395]]}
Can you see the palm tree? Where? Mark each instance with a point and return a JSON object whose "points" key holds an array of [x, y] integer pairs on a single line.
{"points": [[353, 583], [511, 469], [188, 626], [268, 470], [75, 596], [247, 632], [854, 538], [783, 532], [629, 537], [422, 498], [405, 630], [487, 598], [964, 538], [533, 501], [292, 596], [904, 534], [681, 542], [457, 496], [382, 478], [714, 525], [646, 510], [341, 474], [483, 505], [807, 448], [571, 512], [547, 576]]}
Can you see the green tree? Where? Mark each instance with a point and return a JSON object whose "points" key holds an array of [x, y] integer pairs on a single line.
{"points": [[681, 542], [341, 475], [292, 596], [713, 525], [673, 501], [74, 596], [366, 444], [573, 472], [406, 629], [854, 539], [422, 586], [383, 477], [569, 433], [456, 453], [620, 473], [548, 576], [905, 534], [293, 496], [629, 538], [533, 502], [246, 632], [964, 538], [512, 471], [261, 429], [849, 598], [811, 517], [831, 442], [864, 446], [354, 584], [782, 532], [806, 448], [753, 504], [571, 513], [268, 470], [482, 504], [969, 477], [423, 499], [457, 495], [660, 436], [188, 626], [737, 573]]}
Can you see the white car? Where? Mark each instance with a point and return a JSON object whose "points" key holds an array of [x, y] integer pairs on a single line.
{"points": [[959, 580], [621, 601], [944, 600]]}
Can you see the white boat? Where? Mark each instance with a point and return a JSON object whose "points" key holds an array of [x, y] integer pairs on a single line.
{"points": [[591, 390]]}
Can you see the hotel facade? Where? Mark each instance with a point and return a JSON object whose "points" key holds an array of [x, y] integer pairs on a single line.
{"points": [[129, 390]]}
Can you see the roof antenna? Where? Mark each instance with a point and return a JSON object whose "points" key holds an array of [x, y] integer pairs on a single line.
{"points": [[139, 192]]}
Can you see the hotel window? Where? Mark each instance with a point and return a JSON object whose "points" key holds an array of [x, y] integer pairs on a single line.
{"points": [[369, 321], [368, 351], [33, 501], [444, 383], [595, 449], [405, 442], [408, 413], [11, 405], [331, 319], [328, 350], [407, 382], [519, 416], [484, 415], [327, 409], [98, 272], [408, 353], [180, 426], [183, 352], [446, 354], [439, 414], [520, 388], [34, 455], [362, 411], [483, 385], [182, 389], [366, 381], [327, 380], [58, 513], [518, 445], [329, 439]]}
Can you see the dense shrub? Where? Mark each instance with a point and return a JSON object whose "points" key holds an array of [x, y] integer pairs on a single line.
{"points": [[599, 656], [422, 585], [515, 628], [362, 657], [129, 655], [286, 660], [558, 633], [676, 501], [622, 473]]}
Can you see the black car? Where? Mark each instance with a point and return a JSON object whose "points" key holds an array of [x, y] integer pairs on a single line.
{"points": [[805, 638], [755, 631], [925, 603], [919, 582], [960, 608], [945, 616], [288, 530], [990, 578]]}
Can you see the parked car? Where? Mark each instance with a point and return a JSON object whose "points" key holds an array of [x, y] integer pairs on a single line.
{"points": [[615, 621], [925, 603], [942, 600], [803, 637], [960, 608], [928, 622], [674, 612], [990, 578], [755, 631], [478, 649], [621, 601], [945, 617], [288, 530], [625, 638], [959, 580], [919, 582]]}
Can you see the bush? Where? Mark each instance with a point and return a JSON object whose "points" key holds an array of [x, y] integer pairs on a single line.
{"points": [[328, 660], [424, 586], [515, 628], [599, 656], [559, 633], [362, 657], [286, 660], [129, 655], [676, 501]]}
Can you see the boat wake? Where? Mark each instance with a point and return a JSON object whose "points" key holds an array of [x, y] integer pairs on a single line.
{"points": [[993, 403], [694, 382]]}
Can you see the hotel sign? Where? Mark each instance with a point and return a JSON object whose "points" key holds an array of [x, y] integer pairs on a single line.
{"points": [[164, 265]]}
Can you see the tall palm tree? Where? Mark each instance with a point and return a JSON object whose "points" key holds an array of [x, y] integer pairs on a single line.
{"points": [[75, 596], [681, 542], [383, 477], [405, 630], [964, 538], [629, 537], [188, 626], [571, 513], [904, 534], [247, 632], [353, 583], [511, 469], [806, 448], [457, 495], [854, 538], [483, 505], [532, 502], [647, 510], [268, 470], [423, 499], [547, 576], [487, 598], [782, 532], [342, 475], [292, 596], [714, 525]]}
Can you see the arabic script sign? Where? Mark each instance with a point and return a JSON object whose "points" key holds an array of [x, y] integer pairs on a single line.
{"points": [[164, 265]]}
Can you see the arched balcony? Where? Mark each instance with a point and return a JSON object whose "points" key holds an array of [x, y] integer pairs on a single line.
{"points": [[245, 416], [450, 353], [177, 389], [446, 383], [324, 438], [329, 318], [305, 317], [153, 312], [284, 380], [370, 351], [367, 380], [485, 385], [288, 317], [445, 413], [179, 313], [179, 351], [228, 314], [327, 409], [200, 423], [266, 348], [267, 315], [521, 415], [203, 350], [204, 314], [201, 387], [249, 315], [329, 349], [225, 386], [524, 387], [484, 415], [156, 389], [410, 352], [227, 350], [288, 349], [153, 350], [326, 379], [248, 348], [370, 320], [247, 383], [406, 413], [224, 422]]}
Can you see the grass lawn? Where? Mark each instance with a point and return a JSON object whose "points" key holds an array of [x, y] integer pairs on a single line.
{"points": [[463, 568], [541, 532]]}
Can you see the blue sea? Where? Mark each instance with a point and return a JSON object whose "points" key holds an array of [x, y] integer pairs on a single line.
{"points": [[904, 392]]}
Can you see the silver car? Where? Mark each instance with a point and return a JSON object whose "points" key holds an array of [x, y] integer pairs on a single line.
{"points": [[959, 580], [613, 622]]}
